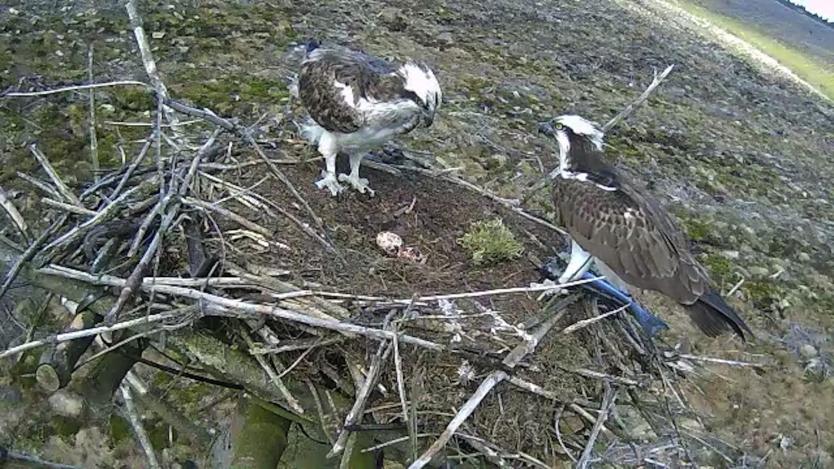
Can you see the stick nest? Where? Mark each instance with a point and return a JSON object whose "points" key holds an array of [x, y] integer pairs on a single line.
{"points": [[218, 226]]}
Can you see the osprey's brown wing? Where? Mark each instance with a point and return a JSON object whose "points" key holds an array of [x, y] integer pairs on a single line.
{"points": [[367, 76], [637, 239]]}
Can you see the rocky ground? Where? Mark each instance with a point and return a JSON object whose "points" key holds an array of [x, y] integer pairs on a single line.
{"points": [[742, 158]]}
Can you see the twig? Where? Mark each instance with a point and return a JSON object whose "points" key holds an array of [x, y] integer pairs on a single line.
{"points": [[14, 215], [355, 413], [39, 185], [144, 227], [499, 291], [637, 102], [93, 139], [138, 429], [587, 322], [587, 416], [276, 380], [106, 214], [410, 423], [246, 135], [230, 307], [81, 333], [28, 254], [603, 376], [229, 215], [29, 94], [14, 456], [535, 389], [510, 361], [736, 287], [62, 188], [320, 410], [68, 207], [722, 361], [394, 442], [147, 56], [468, 408], [265, 203], [607, 402], [135, 278], [557, 419], [133, 165]]}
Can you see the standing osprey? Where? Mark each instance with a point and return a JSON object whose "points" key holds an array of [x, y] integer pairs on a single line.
{"points": [[627, 230], [359, 102]]}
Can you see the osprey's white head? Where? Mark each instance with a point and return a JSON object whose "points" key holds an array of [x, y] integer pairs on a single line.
{"points": [[579, 126], [570, 130], [419, 80]]}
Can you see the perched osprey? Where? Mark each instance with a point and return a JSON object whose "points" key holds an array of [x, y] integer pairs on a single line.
{"points": [[359, 102], [627, 230]]}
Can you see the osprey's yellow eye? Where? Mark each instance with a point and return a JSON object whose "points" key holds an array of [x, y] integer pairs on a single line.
{"points": [[558, 126]]}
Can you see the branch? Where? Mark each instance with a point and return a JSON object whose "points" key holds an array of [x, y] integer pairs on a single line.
{"points": [[510, 361], [93, 140], [607, 403], [13, 214], [640, 99], [62, 188], [67, 89], [138, 429]]}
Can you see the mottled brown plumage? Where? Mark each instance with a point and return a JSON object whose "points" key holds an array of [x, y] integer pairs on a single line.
{"points": [[357, 103], [367, 76], [625, 228]]}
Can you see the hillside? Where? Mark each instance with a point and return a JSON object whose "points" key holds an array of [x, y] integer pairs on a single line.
{"points": [[744, 159], [788, 25]]}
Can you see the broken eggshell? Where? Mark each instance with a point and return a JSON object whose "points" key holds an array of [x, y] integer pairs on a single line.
{"points": [[389, 242]]}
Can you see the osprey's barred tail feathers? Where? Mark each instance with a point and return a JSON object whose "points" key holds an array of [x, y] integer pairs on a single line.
{"points": [[713, 316]]}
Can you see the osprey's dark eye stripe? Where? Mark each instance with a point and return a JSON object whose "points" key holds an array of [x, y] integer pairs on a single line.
{"points": [[408, 94]]}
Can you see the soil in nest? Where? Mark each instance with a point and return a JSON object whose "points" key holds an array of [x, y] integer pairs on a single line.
{"points": [[429, 214]]}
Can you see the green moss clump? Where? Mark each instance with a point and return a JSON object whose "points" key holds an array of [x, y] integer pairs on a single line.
{"points": [[719, 267], [696, 229], [491, 242], [763, 293]]}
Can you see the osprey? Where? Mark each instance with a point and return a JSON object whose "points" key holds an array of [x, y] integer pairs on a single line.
{"points": [[627, 231], [359, 102]]}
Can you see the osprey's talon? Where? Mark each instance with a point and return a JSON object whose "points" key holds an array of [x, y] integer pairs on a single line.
{"points": [[329, 181], [358, 183]]}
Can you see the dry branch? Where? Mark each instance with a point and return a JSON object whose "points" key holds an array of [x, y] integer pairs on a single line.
{"points": [[656, 80], [511, 360], [65, 191], [138, 429], [607, 403], [13, 213]]}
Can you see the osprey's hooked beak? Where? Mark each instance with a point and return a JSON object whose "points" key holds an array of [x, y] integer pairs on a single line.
{"points": [[428, 118], [546, 128]]}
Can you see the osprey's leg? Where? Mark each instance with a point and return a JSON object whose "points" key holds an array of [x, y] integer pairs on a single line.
{"points": [[580, 262], [327, 147], [358, 183]]}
